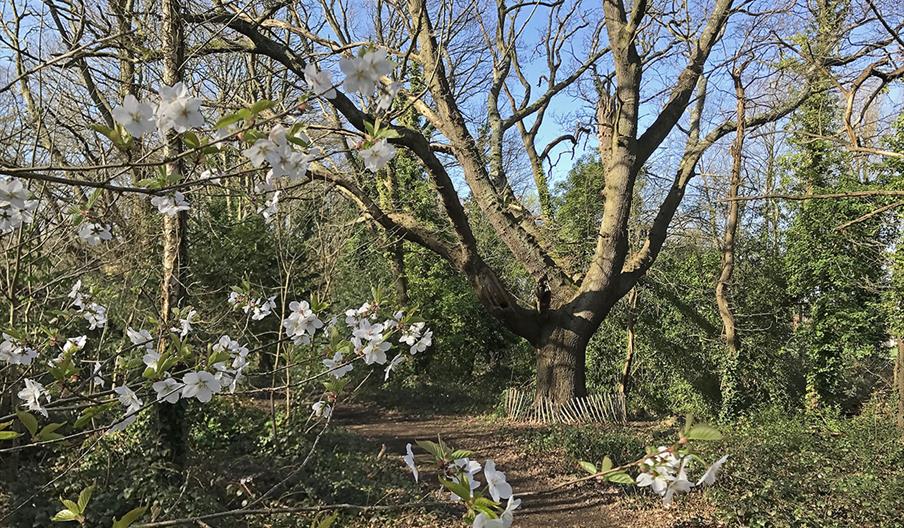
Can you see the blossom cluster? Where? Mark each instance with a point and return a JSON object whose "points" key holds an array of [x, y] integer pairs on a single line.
{"points": [[16, 207], [461, 478], [666, 473]]}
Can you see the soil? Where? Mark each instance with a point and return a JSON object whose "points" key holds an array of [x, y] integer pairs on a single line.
{"points": [[530, 473]]}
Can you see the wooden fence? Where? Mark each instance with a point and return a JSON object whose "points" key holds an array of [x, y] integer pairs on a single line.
{"points": [[522, 406]]}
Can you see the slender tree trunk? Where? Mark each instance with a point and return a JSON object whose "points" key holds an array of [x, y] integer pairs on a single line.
{"points": [[172, 422], [899, 382], [624, 385], [732, 342]]}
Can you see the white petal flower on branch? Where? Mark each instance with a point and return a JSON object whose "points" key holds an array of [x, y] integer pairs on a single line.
{"points": [[709, 477], [260, 151], [74, 344], [185, 323], [168, 390], [375, 351], [367, 330], [93, 233], [140, 338], [201, 385], [335, 366], [135, 116], [378, 155], [32, 395], [396, 361], [499, 488], [170, 205], [321, 82], [151, 360], [409, 461], [509, 513], [15, 206], [322, 409], [302, 320], [483, 520], [425, 341], [96, 315], [14, 352], [97, 379], [128, 398], [178, 110]]}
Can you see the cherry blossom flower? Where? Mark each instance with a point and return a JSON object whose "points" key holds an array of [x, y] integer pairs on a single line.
{"points": [[378, 155], [368, 331], [260, 151], [425, 341], [482, 520], [74, 344], [178, 110], [170, 205], [136, 117], [680, 484], [658, 470], [128, 399], [15, 206], [14, 352], [709, 477], [151, 360], [388, 94], [322, 409], [140, 338], [467, 469], [97, 379], [270, 208], [32, 394], [498, 487], [509, 513], [201, 385], [262, 308], [93, 234], [409, 461], [321, 82], [76, 295], [96, 315], [302, 320], [396, 361], [375, 351], [185, 323], [335, 366]]}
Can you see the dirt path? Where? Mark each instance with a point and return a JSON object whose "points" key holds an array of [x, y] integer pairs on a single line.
{"points": [[586, 505]]}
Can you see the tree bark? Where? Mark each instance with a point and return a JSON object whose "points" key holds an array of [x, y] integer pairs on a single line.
{"points": [[624, 385], [732, 341], [899, 382], [560, 364], [173, 430]]}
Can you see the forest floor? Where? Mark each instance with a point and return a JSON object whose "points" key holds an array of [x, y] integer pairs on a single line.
{"points": [[530, 471]]}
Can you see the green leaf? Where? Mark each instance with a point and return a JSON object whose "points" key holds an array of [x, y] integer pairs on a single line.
{"points": [[433, 448], [65, 516], [129, 518], [327, 522], [704, 433], [71, 505], [620, 478], [607, 464], [48, 432], [260, 106], [461, 453], [9, 435], [462, 489], [191, 139], [588, 467], [84, 497], [231, 119], [29, 421], [4, 425]]}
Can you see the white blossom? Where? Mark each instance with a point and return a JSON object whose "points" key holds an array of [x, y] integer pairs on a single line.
{"points": [[409, 461], [378, 155], [93, 233], [178, 110], [709, 477], [14, 352], [201, 385], [322, 409], [170, 204], [128, 399], [335, 366], [498, 487], [135, 116], [74, 344], [185, 323], [15, 206], [321, 82], [140, 338], [32, 394], [96, 315], [302, 320], [375, 351], [396, 361]]}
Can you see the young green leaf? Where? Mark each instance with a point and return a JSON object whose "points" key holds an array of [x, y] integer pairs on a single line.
{"points": [[620, 478], [129, 518], [29, 421], [607, 464], [588, 467], [84, 497]]}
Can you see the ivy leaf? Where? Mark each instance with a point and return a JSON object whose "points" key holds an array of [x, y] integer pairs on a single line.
{"points": [[704, 433], [129, 518], [588, 467]]}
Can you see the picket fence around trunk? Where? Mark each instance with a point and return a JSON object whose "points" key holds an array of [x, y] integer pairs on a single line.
{"points": [[524, 406]]}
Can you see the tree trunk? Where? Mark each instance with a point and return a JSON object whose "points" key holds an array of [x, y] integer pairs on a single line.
{"points": [[624, 385], [560, 364], [173, 429], [899, 382], [732, 342]]}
